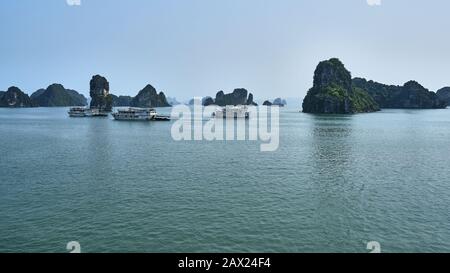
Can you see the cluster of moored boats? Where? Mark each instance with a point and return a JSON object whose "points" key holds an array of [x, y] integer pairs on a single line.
{"points": [[150, 114], [139, 114]]}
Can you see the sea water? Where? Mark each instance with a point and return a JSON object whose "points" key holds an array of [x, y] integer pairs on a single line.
{"points": [[334, 184]]}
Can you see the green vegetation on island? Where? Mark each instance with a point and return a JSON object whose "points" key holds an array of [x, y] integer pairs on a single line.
{"points": [[411, 95], [333, 92], [57, 96], [15, 98], [148, 97], [121, 101]]}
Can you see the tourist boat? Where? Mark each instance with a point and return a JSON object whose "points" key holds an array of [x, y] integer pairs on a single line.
{"points": [[139, 114], [235, 112], [81, 112], [77, 112], [93, 112]]}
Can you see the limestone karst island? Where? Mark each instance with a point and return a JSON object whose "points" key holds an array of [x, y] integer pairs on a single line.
{"points": [[335, 92]]}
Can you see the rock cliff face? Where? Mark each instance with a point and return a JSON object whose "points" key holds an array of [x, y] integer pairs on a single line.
{"points": [[444, 94], [15, 98], [148, 97], [99, 92], [334, 93], [411, 95], [57, 96], [267, 103]]}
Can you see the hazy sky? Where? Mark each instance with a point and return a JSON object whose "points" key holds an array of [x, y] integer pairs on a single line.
{"points": [[198, 47]]}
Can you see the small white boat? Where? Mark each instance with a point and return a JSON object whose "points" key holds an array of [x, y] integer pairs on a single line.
{"points": [[137, 114], [232, 112]]}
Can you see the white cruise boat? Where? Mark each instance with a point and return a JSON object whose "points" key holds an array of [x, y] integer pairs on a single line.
{"points": [[82, 112], [77, 112], [139, 114], [234, 112]]}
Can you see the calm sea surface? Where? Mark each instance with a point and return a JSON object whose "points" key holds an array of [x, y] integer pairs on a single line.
{"points": [[335, 183]]}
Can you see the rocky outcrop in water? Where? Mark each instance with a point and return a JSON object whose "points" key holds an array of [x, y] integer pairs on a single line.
{"points": [[207, 101], [238, 97], [99, 92], [444, 94], [148, 97], [250, 100], [15, 98], [279, 102], [57, 96], [334, 93], [411, 95]]}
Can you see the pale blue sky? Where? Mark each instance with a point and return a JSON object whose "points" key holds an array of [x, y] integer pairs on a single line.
{"points": [[198, 47]]}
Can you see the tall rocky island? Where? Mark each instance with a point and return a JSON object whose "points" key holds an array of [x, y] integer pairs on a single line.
{"points": [[15, 98], [148, 97], [57, 96], [239, 96], [334, 93], [99, 92]]}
